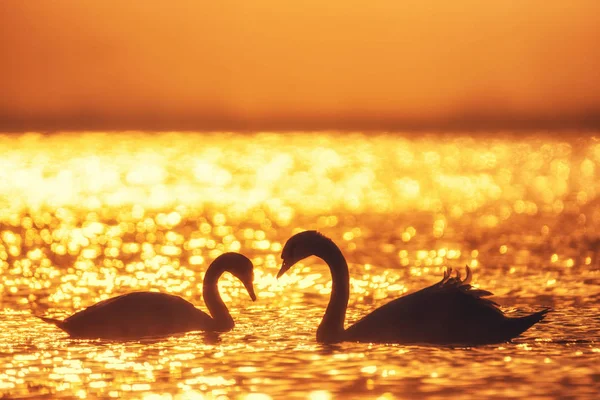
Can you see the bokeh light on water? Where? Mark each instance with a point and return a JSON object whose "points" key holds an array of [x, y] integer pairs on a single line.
{"points": [[84, 217]]}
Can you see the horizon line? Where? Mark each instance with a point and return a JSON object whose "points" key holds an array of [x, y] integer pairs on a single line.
{"points": [[202, 123]]}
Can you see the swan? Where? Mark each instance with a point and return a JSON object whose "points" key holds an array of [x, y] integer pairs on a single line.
{"points": [[450, 312], [151, 314]]}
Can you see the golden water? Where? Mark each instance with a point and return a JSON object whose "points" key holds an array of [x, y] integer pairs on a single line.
{"points": [[84, 217]]}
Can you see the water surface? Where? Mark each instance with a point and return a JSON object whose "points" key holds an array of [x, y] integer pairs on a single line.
{"points": [[88, 216]]}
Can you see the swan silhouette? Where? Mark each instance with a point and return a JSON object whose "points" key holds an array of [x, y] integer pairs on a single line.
{"points": [[151, 314], [451, 312]]}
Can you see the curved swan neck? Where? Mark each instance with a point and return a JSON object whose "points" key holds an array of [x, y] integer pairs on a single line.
{"points": [[210, 290], [331, 328]]}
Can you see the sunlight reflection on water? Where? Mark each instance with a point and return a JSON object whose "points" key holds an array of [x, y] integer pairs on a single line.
{"points": [[85, 217]]}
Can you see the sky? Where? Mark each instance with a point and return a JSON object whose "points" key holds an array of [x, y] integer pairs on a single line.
{"points": [[278, 65]]}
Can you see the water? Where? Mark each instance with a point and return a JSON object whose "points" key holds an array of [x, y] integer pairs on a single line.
{"points": [[84, 217]]}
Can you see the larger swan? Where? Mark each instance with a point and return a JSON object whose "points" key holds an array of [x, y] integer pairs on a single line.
{"points": [[151, 314], [450, 312]]}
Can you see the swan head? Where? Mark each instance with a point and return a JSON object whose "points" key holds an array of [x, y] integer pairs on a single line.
{"points": [[299, 247], [239, 266]]}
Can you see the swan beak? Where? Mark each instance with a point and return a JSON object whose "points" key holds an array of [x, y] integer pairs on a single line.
{"points": [[284, 267], [250, 288]]}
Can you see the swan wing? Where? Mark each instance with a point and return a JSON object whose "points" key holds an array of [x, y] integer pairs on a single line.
{"points": [[137, 314], [450, 311]]}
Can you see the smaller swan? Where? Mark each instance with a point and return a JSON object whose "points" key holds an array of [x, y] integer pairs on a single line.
{"points": [[151, 314], [450, 312]]}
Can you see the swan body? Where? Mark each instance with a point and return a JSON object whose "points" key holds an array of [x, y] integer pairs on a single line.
{"points": [[151, 314], [450, 312]]}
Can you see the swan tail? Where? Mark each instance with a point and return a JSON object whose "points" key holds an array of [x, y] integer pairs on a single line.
{"points": [[521, 324], [34, 311], [53, 321]]}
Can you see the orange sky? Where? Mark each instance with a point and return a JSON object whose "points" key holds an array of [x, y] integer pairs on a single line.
{"points": [[272, 64]]}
